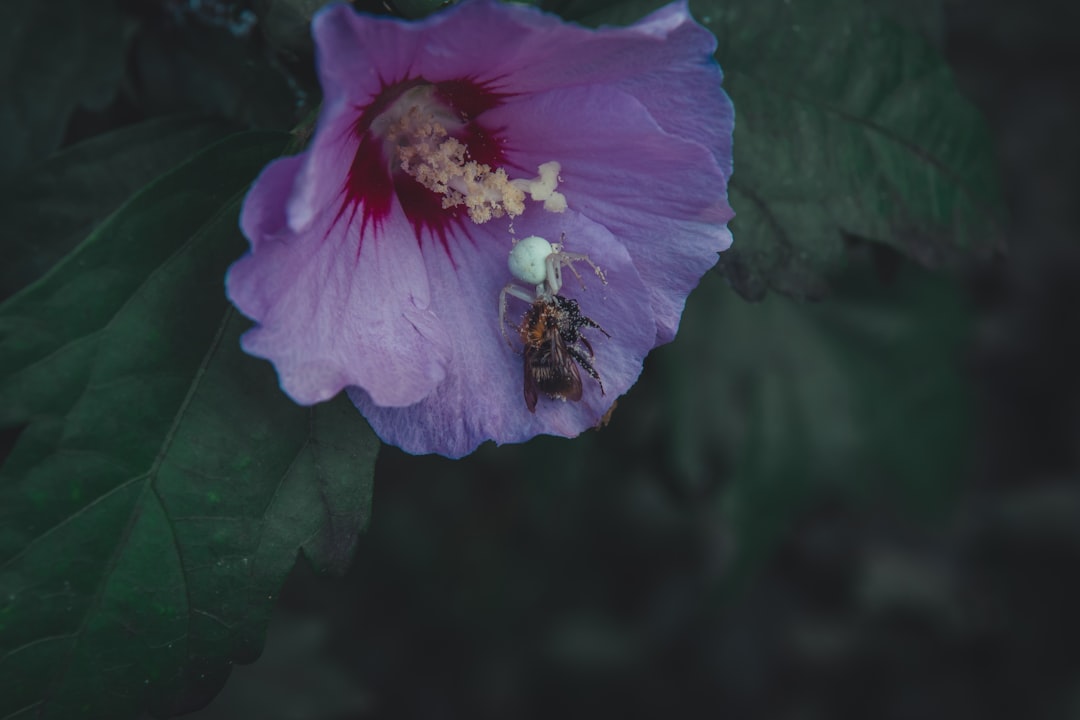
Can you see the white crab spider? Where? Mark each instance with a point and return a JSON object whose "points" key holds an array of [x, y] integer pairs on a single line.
{"points": [[539, 263]]}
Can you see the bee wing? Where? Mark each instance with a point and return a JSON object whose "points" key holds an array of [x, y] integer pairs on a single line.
{"points": [[573, 379], [567, 370], [530, 382]]}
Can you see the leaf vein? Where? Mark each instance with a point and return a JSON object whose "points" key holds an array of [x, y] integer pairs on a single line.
{"points": [[14, 651], [21, 710], [887, 133], [71, 517]]}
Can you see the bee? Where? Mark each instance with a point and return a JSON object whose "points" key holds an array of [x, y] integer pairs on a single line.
{"points": [[554, 348], [550, 330]]}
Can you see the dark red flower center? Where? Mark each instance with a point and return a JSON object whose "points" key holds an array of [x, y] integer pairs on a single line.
{"points": [[412, 119]]}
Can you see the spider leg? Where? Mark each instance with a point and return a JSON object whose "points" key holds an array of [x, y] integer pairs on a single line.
{"points": [[553, 267], [568, 260]]}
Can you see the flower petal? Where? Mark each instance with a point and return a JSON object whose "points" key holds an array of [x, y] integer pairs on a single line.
{"points": [[663, 197], [665, 60], [482, 395], [358, 54], [680, 83], [328, 315]]}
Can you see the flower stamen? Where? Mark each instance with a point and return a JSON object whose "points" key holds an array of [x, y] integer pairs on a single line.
{"points": [[425, 149]]}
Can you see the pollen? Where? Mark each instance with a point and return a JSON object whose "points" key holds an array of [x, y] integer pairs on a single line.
{"points": [[542, 188], [426, 150]]}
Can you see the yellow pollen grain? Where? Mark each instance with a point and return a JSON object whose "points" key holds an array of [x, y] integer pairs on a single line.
{"points": [[441, 164]]}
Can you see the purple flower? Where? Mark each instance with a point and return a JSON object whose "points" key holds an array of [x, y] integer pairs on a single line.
{"points": [[379, 255]]}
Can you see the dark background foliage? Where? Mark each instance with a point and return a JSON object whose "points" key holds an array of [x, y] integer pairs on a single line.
{"points": [[862, 507]]}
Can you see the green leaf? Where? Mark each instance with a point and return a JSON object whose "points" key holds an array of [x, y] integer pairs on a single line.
{"points": [[848, 127], [56, 205], [54, 57], [862, 393], [220, 73], [163, 485], [594, 13], [286, 24], [925, 17], [416, 9]]}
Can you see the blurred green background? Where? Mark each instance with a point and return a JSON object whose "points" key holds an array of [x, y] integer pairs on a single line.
{"points": [[865, 507]]}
